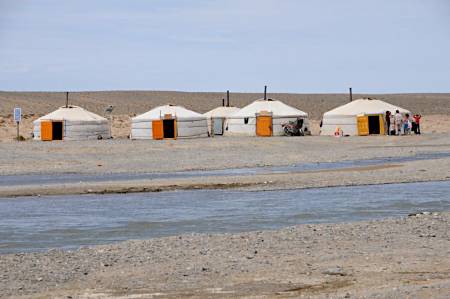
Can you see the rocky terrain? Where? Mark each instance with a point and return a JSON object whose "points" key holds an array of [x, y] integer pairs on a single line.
{"points": [[394, 258], [429, 159]]}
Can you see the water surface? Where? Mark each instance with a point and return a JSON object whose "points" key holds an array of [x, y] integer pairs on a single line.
{"points": [[70, 221]]}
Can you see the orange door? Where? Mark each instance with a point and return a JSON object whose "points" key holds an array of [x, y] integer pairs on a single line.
{"points": [[158, 129], [175, 129], [363, 125], [264, 125], [46, 131]]}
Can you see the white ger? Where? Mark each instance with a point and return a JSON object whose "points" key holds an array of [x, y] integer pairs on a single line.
{"points": [[168, 121], [71, 123], [360, 117], [218, 119], [264, 118]]}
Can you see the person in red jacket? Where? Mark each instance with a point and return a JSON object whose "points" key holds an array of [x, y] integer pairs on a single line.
{"points": [[417, 118]]}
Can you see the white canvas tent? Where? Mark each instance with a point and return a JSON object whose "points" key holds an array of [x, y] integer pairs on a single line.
{"points": [[217, 119], [71, 123], [264, 118], [355, 118], [168, 121]]}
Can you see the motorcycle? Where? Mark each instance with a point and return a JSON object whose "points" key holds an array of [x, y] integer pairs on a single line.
{"points": [[293, 128]]}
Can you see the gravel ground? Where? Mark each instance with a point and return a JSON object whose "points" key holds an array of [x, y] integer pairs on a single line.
{"points": [[393, 258], [124, 156]]}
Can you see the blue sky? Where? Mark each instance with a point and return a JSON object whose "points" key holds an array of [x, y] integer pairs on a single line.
{"points": [[320, 46]]}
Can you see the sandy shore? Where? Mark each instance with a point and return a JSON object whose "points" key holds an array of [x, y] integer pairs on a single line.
{"points": [[393, 258], [126, 157]]}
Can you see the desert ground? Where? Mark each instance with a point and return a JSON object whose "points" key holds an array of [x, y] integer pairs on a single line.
{"points": [[393, 258], [434, 107]]}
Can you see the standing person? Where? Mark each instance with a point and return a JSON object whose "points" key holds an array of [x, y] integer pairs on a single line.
{"points": [[398, 122], [417, 118], [388, 122], [392, 127], [407, 125]]}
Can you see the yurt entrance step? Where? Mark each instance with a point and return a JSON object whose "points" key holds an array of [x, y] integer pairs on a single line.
{"points": [[164, 128], [264, 125], [52, 130], [370, 125]]}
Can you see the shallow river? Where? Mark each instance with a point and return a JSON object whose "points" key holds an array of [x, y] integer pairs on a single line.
{"points": [[35, 224]]}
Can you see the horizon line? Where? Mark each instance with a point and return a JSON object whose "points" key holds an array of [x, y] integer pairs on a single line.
{"points": [[223, 91]]}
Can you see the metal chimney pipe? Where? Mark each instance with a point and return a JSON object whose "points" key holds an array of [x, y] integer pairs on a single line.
{"points": [[351, 94], [67, 99], [265, 92], [228, 98]]}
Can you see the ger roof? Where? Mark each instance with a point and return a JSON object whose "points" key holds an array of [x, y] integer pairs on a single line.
{"points": [[72, 113], [221, 112], [277, 108], [365, 106], [160, 111]]}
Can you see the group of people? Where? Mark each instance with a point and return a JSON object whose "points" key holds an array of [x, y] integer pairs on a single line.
{"points": [[397, 124]]}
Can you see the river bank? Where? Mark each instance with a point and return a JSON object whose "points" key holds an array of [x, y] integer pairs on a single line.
{"points": [[397, 257], [229, 157]]}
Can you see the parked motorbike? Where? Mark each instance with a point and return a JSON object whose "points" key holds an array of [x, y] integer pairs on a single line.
{"points": [[293, 128]]}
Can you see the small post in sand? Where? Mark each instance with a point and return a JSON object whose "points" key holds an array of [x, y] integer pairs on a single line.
{"points": [[17, 119]]}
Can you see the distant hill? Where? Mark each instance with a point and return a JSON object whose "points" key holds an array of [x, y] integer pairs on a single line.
{"points": [[136, 102]]}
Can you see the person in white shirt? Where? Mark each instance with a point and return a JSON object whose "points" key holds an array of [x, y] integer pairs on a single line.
{"points": [[392, 125]]}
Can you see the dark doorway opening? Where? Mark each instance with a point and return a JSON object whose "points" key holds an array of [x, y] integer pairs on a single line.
{"points": [[169, 128], [57, 130], [374, 124]]}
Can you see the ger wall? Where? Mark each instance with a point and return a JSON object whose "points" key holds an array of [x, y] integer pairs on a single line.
{"points": [[142, 129], [238, 127], [348, 125], [78, 130]]}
